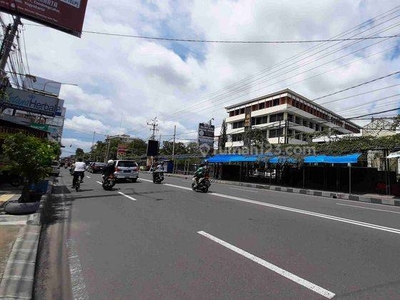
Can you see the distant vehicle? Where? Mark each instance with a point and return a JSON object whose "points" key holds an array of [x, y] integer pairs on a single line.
{"points": [[55, 168], [126, 170], [96, 167]]}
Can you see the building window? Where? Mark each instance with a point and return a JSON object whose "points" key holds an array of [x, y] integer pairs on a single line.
{"points": [[275, 102], [276, 133], [276, 117], [239, 124], [261, 105], [305, 123], [237, 137], [290, 117], [242, 111], [261, 120]]}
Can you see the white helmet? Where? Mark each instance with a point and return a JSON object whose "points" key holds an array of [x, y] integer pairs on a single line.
{"points": [[110, 162]]}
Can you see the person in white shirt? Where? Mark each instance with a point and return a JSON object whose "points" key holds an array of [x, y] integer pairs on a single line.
{"points": [[79, 171]]}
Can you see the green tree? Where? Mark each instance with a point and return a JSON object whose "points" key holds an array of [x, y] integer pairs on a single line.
{"points": [[137, 147], [223, 137], [192, 148], [79, 152], [256, 138], [166, 149], [31, 157]]}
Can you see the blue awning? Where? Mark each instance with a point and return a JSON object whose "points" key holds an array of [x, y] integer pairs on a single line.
{"points": [[222, 158], [225, 158], [281, 160], [343, 159]]}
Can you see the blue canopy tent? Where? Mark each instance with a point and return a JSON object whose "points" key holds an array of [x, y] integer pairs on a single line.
{"points": [[270, 158], [342, 159]]}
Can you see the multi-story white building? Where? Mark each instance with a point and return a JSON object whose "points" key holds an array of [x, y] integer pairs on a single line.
{"points": [[286, 118]]}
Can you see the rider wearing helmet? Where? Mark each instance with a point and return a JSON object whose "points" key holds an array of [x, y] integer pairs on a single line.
{"points": [[200, 173], [109, 169]]}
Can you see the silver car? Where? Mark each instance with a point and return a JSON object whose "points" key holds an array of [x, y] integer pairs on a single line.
{"points": [[126, 170]]}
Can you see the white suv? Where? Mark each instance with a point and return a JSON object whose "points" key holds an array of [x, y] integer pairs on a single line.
{"points": [[126, 170]]}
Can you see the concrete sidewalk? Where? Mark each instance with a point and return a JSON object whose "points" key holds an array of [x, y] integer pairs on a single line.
{"points": [[368, 198], [19, 240]]}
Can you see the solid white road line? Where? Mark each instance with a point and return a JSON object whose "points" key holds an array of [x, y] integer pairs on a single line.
{"points": [[99, 182], [377, 209], [310, 213], [129, 197], [13, 223], [171, 185], [147, 180], [299, 211], [77, 280], [307, 284]]}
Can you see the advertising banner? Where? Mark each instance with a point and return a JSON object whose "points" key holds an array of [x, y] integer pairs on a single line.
{"points": [[31, 102], [63, 15], [206, 137], [122, 149], [43, 85], [152, 148]]}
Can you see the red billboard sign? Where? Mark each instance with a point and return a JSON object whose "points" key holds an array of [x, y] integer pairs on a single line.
{"points": [[64, 15]]}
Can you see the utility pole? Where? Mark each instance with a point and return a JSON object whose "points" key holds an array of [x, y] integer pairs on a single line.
{"points": [[154, 126], [173, 143], [108, 148], [7, 44], [91, 149]]}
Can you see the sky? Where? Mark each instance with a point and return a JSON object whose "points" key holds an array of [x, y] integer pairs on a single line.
{"points": [[116, 81]]}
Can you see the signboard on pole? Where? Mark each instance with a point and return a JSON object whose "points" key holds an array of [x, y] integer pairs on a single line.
{"points": [[63, 15], [206, 138], [31, 102], [43, 85], [247, 125], [121, 151]]}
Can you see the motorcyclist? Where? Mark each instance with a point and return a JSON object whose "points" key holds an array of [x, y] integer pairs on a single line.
{"points": [[109, 169], [159, 170], [200, 173], [79, 168]]}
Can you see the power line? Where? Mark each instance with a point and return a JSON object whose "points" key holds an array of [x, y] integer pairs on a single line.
{"points": [[376, 113], [240, 41], [232, 41]]}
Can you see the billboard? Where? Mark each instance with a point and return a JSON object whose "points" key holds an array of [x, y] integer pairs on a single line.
{"points": [[206, 138], [43, 85], [63, 15], [31, 102], [122, 149], [152, 148]]}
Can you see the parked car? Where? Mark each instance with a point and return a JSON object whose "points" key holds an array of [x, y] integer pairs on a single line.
{"points": [[96, 167], [126, 170], [55, 168]]}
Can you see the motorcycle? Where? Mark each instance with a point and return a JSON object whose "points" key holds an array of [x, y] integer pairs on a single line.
{"points": [[202, 186], [158, 177], [108, 182]]}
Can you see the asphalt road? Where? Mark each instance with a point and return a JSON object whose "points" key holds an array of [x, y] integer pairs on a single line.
{"points": [[150, 241]]}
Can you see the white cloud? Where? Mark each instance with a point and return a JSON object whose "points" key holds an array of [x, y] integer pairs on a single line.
{"points": [[125, 82]]}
